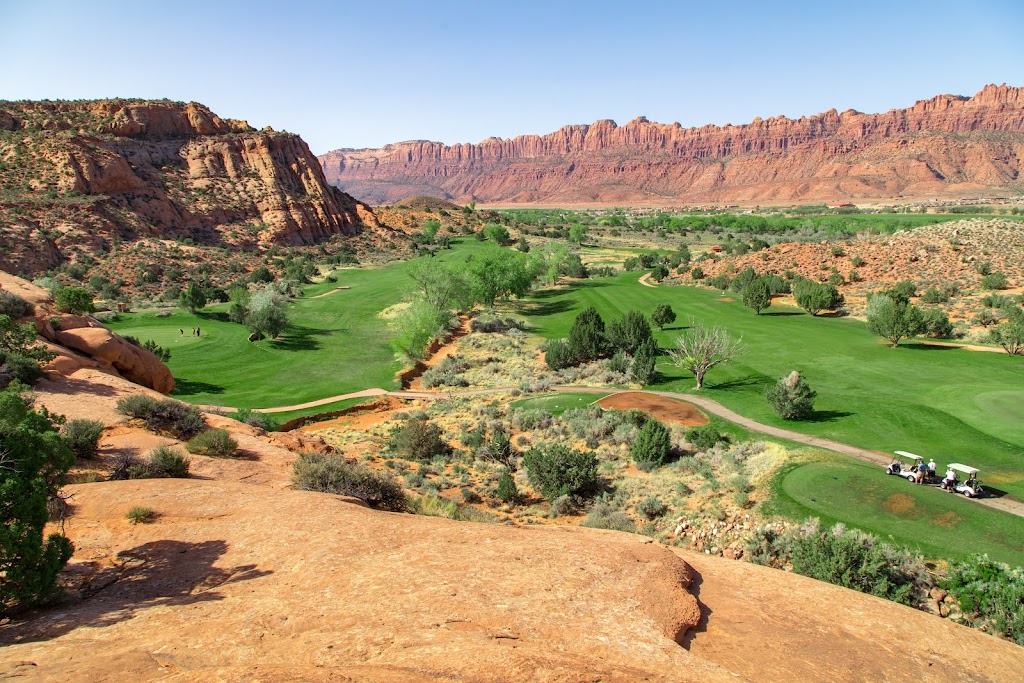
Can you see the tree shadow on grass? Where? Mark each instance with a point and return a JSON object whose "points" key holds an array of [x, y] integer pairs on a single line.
{"points": [[739, 382], [546, 308], [156, 574], [219, 316], [827, 415], [299, 338], [186, 387], [776, 314], [921, 346]]}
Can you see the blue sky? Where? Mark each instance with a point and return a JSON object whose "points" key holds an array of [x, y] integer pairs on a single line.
{"points": [[347, 74]]}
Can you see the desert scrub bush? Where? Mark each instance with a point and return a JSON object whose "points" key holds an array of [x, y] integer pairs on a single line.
{"points": [[653, 444], [604, 516], [995, 281], [140, 515], [418, 439], [128, 466], [844, 557], [163, 415], [166, 461], [14, 306], [446, 373], [499, 450], [990, 594], [213, 442], [83, 436], [556, 470], [74, 300], [330, 474], [651, 507], [253, 418], [528, 419], [703, 437], [493, 324], [791, 397]]}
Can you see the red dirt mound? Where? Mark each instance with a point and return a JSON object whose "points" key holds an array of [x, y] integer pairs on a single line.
{"points": [[659, 407]]}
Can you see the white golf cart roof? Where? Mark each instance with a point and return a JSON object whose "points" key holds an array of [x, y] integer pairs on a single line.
{"points": [[963, 468], [912, 456]]}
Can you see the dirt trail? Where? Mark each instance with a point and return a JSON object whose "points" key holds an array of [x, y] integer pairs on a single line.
{"points": [[644, 280]]}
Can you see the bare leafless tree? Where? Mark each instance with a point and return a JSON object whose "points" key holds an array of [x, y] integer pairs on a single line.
{"points": [[702, 348]]}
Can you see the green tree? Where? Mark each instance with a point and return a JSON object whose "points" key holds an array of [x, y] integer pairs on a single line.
{"points": [[642, 370], [507, 490], [34, 460], [1010, 335], [74, 300], [556, 470], [587, 341], [192, 298], [21, 356], [444, 287], [266, 314], [791, 397], [757, 296], [663, 315], [497, 273], [497, 234], [815, 297], [577, 233], [629, 332], [659, 273], [417, 326], [893, 320], [653, 444], [430, 228]]}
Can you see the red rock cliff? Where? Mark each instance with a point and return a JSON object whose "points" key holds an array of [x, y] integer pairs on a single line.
{"points": [[947, 145], [81, 175]]}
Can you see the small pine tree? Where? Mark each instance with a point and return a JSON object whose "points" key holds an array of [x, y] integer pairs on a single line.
{"points": [[642, 370], [507, 490], [587, 337], [791, 397], [652, 444], [192, 298], [757, 295], [663, 315]]}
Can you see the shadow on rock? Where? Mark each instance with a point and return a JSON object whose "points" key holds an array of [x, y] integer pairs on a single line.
{"points": [[156, 574]]}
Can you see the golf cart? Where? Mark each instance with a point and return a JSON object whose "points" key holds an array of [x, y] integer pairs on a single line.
{"points": [[905, 465], [970, 486]]}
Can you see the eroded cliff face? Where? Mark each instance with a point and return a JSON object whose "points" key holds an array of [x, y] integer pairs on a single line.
{"points": [[948, 145], [80, 176]]}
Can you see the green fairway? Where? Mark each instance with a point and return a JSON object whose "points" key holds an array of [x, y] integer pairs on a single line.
{"points": [[947, 403], [337, 344], [935, 523], [556, 404]]}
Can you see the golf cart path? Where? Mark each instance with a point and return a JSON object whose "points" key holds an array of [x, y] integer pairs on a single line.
{"points": [[643, 280], [329, 292], [713, 407]]}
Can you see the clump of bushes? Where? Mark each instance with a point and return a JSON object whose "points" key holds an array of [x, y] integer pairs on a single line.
{"points": [[164, 461], [446, 373], [791, 397], [74, 300], [557, 470], [83, 436], [330, 474], [507, 490], [418, 439], [213, 442], [990, 594], [704, 437], [604, 516], [163, 415], [254, 418], [651, 507], [844, 557]]}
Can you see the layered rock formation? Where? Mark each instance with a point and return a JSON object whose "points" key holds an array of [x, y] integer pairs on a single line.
{"points": [[946, 146], [78, 177]]}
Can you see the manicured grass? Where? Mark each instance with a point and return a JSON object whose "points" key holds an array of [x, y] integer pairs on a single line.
{"points": [[556, 404], [337, 344], [950, 404], [934, 523]]}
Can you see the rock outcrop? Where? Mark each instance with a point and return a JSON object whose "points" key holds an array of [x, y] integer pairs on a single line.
{"points": [[83, 176], [81, 341], [948, 145]]}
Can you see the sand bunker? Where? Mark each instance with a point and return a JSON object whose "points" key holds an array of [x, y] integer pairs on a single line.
{"points": [[659, 407]]}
